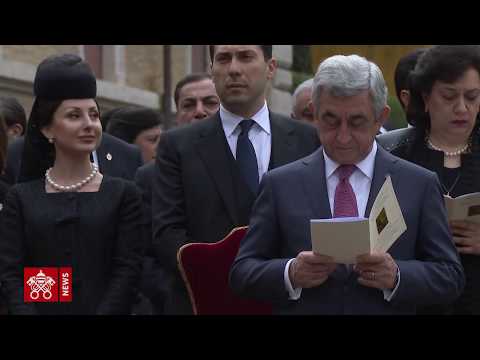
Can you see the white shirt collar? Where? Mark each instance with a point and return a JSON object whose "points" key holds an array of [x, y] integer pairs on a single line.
{"points": [[230, 121], [366, 166]]}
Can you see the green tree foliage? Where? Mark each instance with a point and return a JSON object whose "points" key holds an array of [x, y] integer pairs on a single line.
{"points": [[302, 65]]}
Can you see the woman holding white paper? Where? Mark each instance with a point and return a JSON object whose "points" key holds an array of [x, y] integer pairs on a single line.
{"points": [[444, 107]]}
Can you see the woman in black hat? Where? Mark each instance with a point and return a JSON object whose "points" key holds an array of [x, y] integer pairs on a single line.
{"points": [[68, 214]]}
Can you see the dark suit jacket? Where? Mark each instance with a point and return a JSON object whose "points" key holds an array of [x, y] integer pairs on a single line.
{"points": [[198, 195], [430, 270], [153, 283], [125, 158]]}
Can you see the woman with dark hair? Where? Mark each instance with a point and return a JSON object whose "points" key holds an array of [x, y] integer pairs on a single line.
{"points": [[444, 108], [138, 125], [68, 214]]}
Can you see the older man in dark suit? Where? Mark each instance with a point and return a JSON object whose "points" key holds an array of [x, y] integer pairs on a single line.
{"points": [[275, 262], [207, 173]]}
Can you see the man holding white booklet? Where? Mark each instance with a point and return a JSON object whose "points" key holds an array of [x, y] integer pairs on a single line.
{"points": [[276, 263]]}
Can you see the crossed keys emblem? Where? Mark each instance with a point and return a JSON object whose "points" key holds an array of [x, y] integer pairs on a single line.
{"points": [[40, 283]]}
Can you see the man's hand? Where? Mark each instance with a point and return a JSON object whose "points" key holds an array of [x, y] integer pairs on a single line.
{"points": [[377, 271], [466, 236], [309, 270]]}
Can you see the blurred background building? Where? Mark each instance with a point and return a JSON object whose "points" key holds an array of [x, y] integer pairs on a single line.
{"points": [[147, 74]]}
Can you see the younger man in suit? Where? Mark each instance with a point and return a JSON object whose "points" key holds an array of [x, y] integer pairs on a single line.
{"points": [[207, 173]]}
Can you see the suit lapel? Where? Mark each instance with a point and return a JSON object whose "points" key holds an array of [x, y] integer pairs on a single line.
{"points": [[384, 166], [283, 142], [315, 185], [213, 150], [106, 166]]}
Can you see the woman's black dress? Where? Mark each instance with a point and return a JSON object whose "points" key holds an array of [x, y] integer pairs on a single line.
{"points": [[98, 234]]}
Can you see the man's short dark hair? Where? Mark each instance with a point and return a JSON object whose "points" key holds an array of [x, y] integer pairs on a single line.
{"points": [[266, 49], [405, 65], [12, 112], [191, 78]]}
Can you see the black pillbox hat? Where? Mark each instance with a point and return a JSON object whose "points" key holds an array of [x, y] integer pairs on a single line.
{"points": [[61, 77]]}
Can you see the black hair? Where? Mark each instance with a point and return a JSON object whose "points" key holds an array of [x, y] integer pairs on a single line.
{"points": [[266, 49], [128, 122], [107, 115], [402, 71], [191, 78], [38, 153], [446, 63], [13, 112]]}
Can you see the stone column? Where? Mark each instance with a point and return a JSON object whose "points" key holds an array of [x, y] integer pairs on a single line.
{"points": [[279, 98]]}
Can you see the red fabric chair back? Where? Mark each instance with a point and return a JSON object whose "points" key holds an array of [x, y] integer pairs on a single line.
{"points": [[205, 268]]}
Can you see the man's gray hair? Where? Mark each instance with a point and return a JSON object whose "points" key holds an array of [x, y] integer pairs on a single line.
{"points": [[307, 84], [345, 76]]}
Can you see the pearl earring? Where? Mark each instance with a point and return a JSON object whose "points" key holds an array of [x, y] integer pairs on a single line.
{"points": [[51, 140]]}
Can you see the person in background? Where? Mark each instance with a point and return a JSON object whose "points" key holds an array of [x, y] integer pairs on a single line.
{"points": [[140, 126], [445, 138], [404, 67], [302, 98], [143, 126], [14, 117], [195, 98]]}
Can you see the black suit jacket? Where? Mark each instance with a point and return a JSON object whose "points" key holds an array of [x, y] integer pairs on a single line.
{"points": [[98, 234], [124, 161], [198, 195], [154, 279]]}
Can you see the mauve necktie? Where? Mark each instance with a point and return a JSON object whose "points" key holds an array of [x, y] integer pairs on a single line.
{"points": [[246, 158], [345, 203]]}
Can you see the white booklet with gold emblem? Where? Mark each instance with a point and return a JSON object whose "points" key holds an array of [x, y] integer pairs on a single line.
{"points": [[346, 238], [465, 207]]}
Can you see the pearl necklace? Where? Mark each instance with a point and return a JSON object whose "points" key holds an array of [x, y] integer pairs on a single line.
{"points": [[453, 153], [74, 187]]}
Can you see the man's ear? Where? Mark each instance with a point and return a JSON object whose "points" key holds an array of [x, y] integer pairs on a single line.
{"points": [[384, 115], [271, 68], [15, 130], [47, 132], [312, 110], [405, 98]]}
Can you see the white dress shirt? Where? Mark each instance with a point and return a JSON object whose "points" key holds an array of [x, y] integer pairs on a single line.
{"points": [[259, 135], [361, 181], [95, 158]]}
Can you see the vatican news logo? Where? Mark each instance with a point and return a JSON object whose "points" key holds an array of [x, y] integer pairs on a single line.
{"points": [[47, 284]]}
